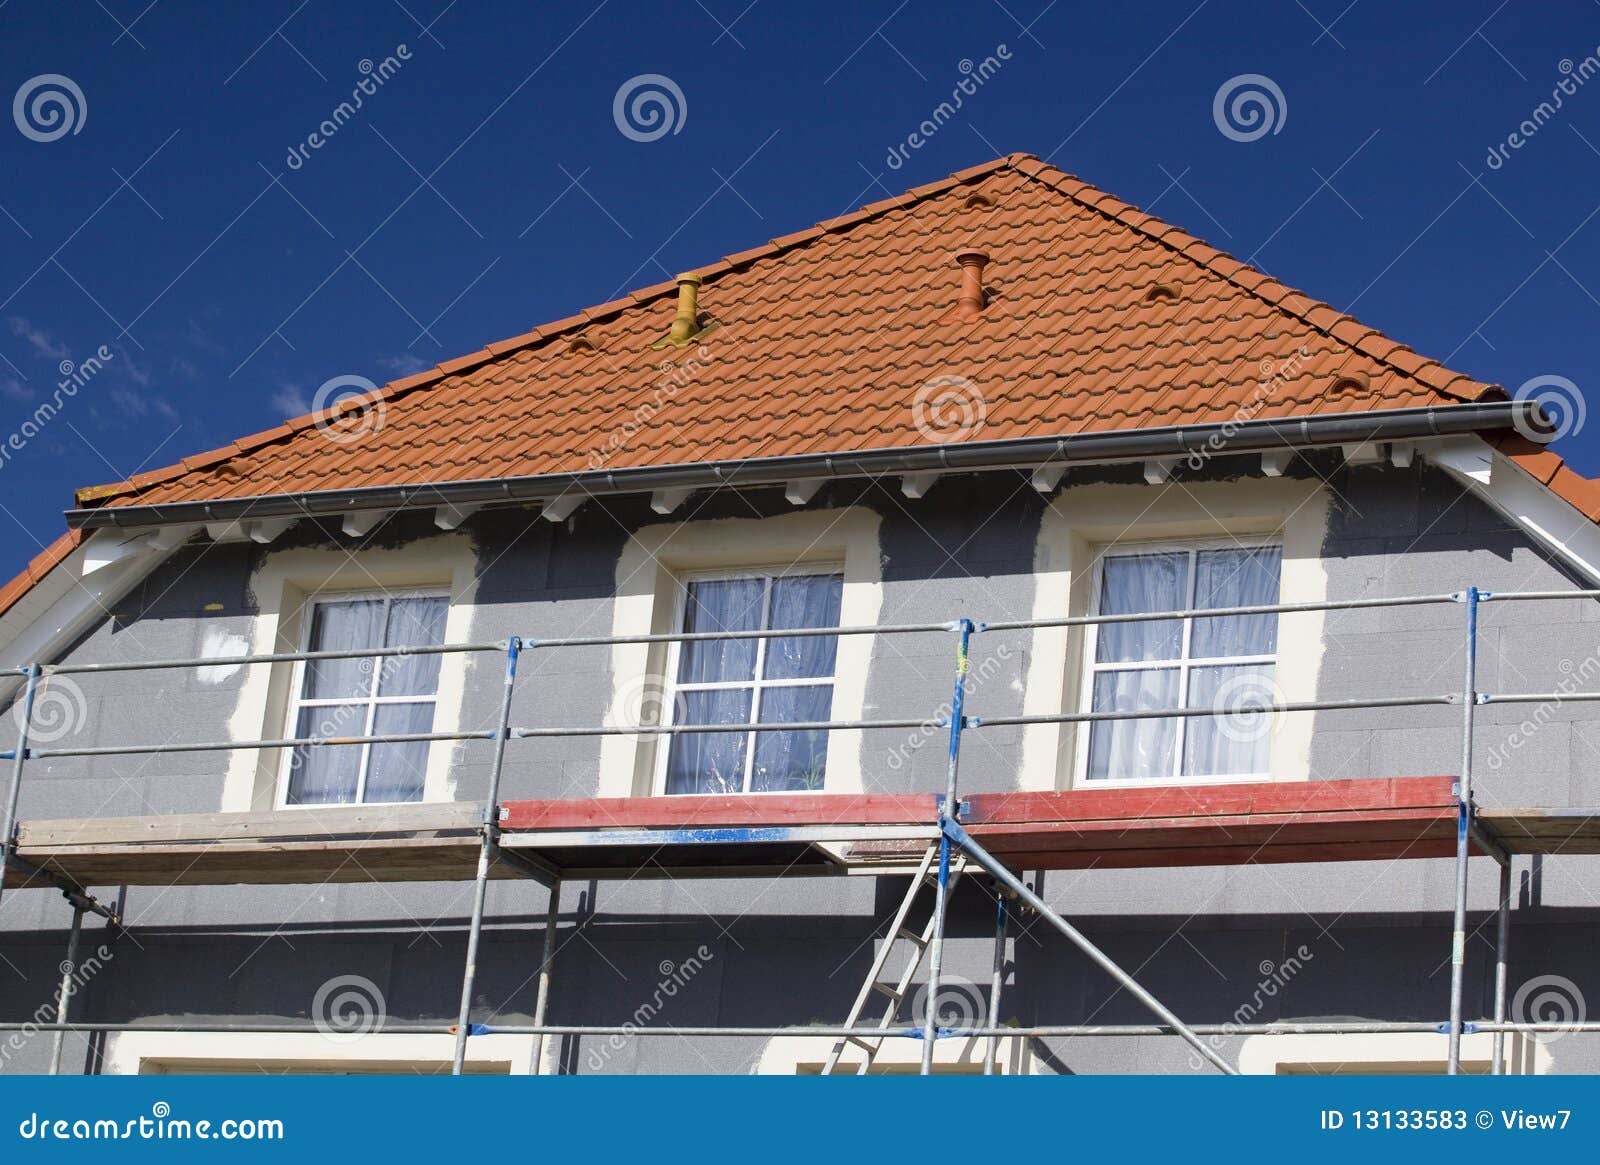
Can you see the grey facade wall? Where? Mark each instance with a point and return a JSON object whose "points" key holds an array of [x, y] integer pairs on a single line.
{"points": [[793, 952]]}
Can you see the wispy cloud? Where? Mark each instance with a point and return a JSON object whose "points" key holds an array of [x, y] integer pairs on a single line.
{"points": [[291, 400], [403, 364], [41, 341]]}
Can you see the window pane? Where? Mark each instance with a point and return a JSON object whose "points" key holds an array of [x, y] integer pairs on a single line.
{"points": [[1237, 744], [1131, 583], [1236, 578], [724, 604], [326, 775], [792, 760], [710, 762], [413, 622], [345, 625], [1126, 750], [803, 601], [395, 771]]}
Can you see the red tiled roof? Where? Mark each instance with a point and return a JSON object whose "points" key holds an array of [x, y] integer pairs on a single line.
{"points": [[826, 336], [42, 564]]}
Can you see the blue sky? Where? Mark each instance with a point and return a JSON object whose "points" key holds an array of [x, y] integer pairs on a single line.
{"points": [[484, 186]]}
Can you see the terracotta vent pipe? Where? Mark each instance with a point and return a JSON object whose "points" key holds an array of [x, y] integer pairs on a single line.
{"points": [[969, 304]]}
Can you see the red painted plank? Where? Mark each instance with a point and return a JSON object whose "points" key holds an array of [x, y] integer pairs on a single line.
{"points": [[1223, 855], [750, 809], [1185, 801], [1309, 825]]}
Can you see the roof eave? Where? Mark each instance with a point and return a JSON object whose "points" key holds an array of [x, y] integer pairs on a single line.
{"points": [[1211, 439]]}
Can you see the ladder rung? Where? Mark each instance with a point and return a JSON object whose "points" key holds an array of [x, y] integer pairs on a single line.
{"points": [[863, 1042], [912, 937], [885, 989]]}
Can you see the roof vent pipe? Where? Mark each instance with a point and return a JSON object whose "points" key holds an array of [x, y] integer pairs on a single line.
{"points": [[969, 304], [686, 324]]}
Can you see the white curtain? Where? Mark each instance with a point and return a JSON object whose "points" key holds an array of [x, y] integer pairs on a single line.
{"points": [[1235, 744], [732, 762], [345, 689]]}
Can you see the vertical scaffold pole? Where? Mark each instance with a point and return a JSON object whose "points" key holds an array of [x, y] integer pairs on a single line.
{"points": [[996, 979], [1502, 952], [69, 970], [8, 827], [491, 831], [1458, 937], [951, 809], [542, 1002]]}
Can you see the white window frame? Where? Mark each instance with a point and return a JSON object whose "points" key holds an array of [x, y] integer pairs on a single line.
{"points": [[296, 700], [1184, 664], [135, 1053], [672, 687]]}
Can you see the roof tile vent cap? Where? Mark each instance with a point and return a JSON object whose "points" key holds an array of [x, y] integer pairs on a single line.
{"points": [[970, 301]]}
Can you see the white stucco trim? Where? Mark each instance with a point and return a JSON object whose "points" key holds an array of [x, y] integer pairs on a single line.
{"points": [[805, 1055], [1519, 497], [156, 1053], [1384, 1052], [1080, 524], [283, 585], [648, 578]]}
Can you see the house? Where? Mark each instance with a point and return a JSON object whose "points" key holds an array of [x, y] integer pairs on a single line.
{"points": [[1005, 398]]}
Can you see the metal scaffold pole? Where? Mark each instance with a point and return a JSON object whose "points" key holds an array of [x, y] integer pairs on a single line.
{"points": [[486, 850], [69, 969], [1458, 937], [996, 979], [950, 809], [1017, 886], [8, 827], [1502, 953], [541, 1004]]}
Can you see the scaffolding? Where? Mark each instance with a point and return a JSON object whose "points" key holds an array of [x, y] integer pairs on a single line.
{"points": [[768, 835]]}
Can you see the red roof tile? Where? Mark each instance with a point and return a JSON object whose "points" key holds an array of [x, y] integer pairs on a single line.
{"points": [[43, 563]]}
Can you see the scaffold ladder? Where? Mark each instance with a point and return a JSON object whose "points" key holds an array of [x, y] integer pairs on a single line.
{"points": [[898, 933]]}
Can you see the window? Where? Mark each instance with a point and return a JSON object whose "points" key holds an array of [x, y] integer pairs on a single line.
{"points": [[365, 696], [1224, 661], [787, 679]]}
